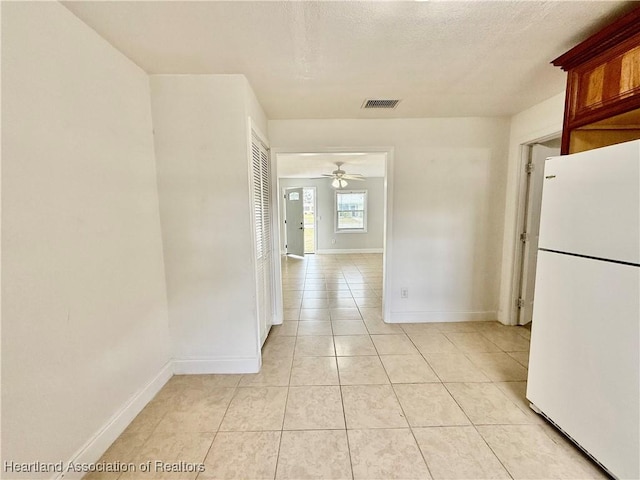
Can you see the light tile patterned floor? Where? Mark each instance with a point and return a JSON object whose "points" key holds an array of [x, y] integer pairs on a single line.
{"points": [[341, 394]]}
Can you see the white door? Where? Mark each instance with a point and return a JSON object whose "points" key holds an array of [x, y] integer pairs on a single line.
{"points": [[529, 237], [294, 214], [261, 197]]}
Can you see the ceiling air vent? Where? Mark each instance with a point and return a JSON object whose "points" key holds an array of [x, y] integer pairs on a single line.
{"points": [[369, 103]]}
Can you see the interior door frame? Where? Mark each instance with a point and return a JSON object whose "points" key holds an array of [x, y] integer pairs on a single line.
{"points": [[525, 149], [253, 128], [387, 241]]}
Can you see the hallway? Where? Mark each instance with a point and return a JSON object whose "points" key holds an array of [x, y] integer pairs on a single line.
{"points": [[343, 395]]}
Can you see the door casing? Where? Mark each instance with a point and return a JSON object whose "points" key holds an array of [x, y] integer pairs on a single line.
{"points": [[524, 224], [538, 153], [388, 216]]}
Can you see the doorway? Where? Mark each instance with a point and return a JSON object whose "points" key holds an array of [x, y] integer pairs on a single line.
{"points": [[335, 257], [534, 156], [300, 220]]}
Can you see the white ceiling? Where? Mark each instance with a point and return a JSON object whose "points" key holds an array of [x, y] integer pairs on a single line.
{"points": [[316, 59], [312, 165]]}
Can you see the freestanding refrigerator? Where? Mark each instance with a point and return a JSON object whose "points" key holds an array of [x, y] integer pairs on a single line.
{"points": [[584, 366]]}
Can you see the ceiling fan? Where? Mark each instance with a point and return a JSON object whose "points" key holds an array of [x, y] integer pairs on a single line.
{"points": [[340, 177]]}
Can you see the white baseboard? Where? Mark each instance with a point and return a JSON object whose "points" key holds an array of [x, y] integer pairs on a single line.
{"points": [[194, 366], [349, 250], [432, 317], [95, 447]]}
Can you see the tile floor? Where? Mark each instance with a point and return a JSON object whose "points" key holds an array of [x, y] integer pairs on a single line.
{"points": [[343, 395]]}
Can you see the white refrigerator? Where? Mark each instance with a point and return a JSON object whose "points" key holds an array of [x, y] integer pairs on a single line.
{"points": [[584, 366]]}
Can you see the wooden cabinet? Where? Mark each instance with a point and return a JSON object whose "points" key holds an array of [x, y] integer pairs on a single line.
{"points": [[603, 87]]}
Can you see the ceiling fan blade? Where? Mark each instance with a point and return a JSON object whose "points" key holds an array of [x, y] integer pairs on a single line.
{"points": [[327, 175], [352, 177]]}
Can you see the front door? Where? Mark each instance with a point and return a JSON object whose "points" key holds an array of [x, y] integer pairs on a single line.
{"points": [[294, 214]]}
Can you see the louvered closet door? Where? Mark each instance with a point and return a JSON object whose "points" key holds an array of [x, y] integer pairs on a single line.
{"points": [[266, 235], [262, 225]]}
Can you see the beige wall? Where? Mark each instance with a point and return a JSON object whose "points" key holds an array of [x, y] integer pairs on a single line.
{"points": [[84, 313], [201, 144], [448, 186]]}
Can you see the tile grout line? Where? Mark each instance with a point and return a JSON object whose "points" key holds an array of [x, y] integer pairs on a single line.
{"points": [[235, 390], [284, 415], [459, 406], [393, 390], [341, 394], [344, 413], [346, 430], [139, 450], [406, 419], [318, 270], [475, 427]]}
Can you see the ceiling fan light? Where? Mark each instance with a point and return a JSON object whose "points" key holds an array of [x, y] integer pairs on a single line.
{"points": [[343, 183], [335, 183]]}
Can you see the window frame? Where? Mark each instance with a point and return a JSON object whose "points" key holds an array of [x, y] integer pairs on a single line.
{"points": [[336, 212]]}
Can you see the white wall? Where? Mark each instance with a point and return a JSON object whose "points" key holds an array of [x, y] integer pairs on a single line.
{"points": [[325, 204], [448, 186], [537, 122], [254, 112], [201, 144], [84, 314]]}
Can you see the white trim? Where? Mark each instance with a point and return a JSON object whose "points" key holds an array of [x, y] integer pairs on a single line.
{"points": [[276, 316], [514, 288], [431, 317], [525, 152], [278, 244], [95, 447], [208, 365], [331, 251], [251, 130], [387, 246]]}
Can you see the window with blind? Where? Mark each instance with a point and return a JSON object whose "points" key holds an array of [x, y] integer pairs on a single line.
{"points": [[351, 211], [261, 181]]}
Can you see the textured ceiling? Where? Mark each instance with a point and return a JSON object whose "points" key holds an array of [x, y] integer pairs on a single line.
{"points": [[312, 165], [322, 59]]}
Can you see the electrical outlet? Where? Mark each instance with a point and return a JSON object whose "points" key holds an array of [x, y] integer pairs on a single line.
{"points": [[404, 292], [333, 241]]}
